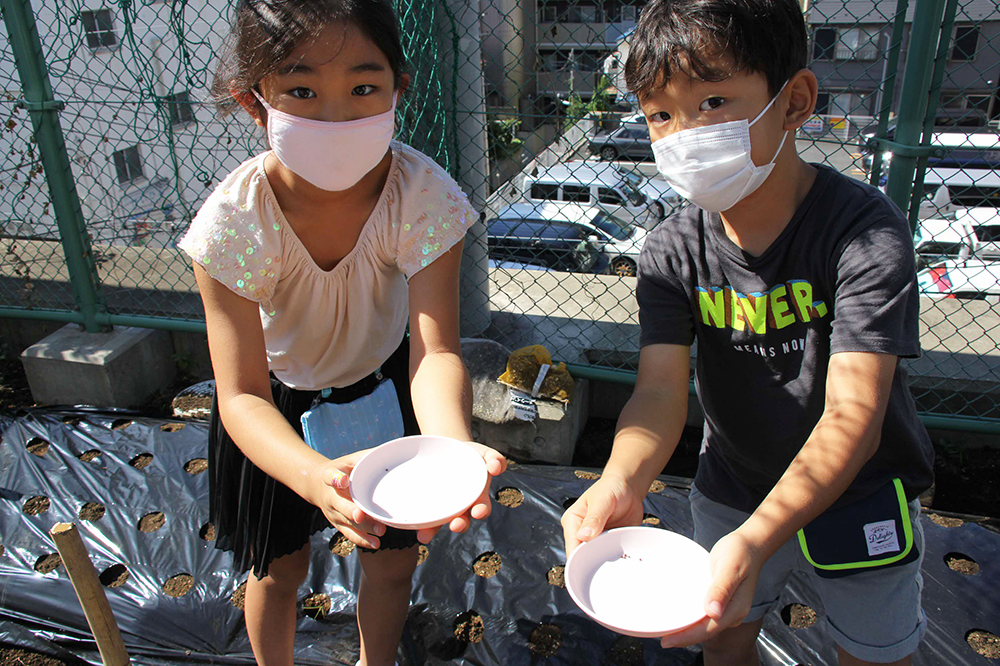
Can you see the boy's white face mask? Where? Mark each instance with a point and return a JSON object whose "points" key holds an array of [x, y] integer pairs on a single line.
{"points": [[711, 166], [332, 156]]}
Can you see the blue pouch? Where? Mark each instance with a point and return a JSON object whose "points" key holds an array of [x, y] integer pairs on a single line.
{"points": [[336, 429]]}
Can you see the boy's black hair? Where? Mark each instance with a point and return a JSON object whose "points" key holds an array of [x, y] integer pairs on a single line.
{"points": [[763, 36], [265, 32]]}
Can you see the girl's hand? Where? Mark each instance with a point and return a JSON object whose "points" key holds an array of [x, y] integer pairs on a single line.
{"points": [[609, 502], [330, 483], [496, 464]]}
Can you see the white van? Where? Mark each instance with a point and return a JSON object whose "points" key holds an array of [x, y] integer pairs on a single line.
{"points": [[949, 189], [628, 195]]}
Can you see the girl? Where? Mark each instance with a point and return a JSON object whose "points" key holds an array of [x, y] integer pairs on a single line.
{"points": [[311, 259]]}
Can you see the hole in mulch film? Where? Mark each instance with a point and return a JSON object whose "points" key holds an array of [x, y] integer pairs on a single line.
{"points": [[487, 565], [88, 456], [587, 476], [152, 521], [963, 564], [72, 420], [650, 519], [196, 466], [121, 424], [545, 640], [510, 497], [468, 627], [179, 585], [945, 521], [207, 532], [48, 563], [341, 545], [142, 460], [36, 505], [240, 595], [798, 616], [37, 446], [172, 427], [114, 576], [92, 511], [316, 605], [422, 553], [984, 643], [568, 502], [626, 651], [657, 486], [557, 575]]}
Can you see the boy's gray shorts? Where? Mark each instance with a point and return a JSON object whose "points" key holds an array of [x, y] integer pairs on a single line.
{"points": [[874, 615]]}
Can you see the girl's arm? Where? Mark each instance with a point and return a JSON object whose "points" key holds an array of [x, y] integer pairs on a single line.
{"points": [[439, 381], [243, 388]]}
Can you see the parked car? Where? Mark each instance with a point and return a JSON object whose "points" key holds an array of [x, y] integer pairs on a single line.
{"points": [[968, 233], [523, 242], [949, 189], [970, 279], [631, 141], [977, 147], [630, 196], [618, 241]]}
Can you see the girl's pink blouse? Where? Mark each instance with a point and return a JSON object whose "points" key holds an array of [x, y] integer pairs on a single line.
{"points": [[329, 328]]}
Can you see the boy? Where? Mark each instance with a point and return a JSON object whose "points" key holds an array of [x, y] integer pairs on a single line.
{"points": [[798, 284]]}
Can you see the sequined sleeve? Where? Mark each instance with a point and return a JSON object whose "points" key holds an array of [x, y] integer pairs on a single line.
{"points": [[235, 237], [433, 216]]}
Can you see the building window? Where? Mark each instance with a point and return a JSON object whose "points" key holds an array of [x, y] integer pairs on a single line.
{"points": [[128, 164], [181, 110], [824, 43], [553, 61], [966, 43], [822, 103], [100, 29], [857, 44]]}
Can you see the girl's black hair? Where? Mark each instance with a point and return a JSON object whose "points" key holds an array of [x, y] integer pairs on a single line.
{"points": [[763, 36], [265, 32]]}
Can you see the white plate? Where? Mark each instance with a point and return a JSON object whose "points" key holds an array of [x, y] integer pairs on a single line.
{"points": [[418, 481], [640, 581]]}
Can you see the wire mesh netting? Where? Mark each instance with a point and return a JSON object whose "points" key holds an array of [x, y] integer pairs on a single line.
{"points": [[524, 102]]}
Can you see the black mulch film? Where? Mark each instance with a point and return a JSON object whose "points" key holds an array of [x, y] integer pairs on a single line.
{"points": [[493, 596]]}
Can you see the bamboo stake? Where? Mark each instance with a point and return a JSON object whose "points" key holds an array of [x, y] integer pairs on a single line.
{"points": [[89, 590]]}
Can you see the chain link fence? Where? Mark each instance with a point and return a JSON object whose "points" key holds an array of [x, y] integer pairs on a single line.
{"points": [[524, 102]]}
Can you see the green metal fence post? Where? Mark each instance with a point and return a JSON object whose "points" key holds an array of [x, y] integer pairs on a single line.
{"points": [[913, 98], [888, 87], [44, 112]]}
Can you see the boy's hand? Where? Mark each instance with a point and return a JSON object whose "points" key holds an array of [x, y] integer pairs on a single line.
{"points": [[496, 465], [330, 492], [610, 502], [735, 565]]}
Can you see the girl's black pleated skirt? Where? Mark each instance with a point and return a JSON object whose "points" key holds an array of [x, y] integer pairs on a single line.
{"points": [[260, 519]]}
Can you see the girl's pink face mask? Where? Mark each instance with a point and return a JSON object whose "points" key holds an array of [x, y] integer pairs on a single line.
{"points": [[333, 156]]}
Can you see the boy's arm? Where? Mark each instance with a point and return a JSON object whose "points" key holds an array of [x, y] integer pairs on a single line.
{"points": [[845, 437], [648, 430]]}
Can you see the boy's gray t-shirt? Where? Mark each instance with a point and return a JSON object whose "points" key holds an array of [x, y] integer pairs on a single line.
{"points": [[839, 278]]}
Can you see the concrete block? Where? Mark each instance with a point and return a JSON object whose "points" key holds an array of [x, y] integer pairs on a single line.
{"points": [[121, 368], [550, 438]]}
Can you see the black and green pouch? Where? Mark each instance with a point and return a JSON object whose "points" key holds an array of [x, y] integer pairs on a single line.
{"points": [[874, 532]]}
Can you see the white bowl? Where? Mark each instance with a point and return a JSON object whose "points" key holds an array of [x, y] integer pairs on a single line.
{"points": [[419, 481], [640, 581]]}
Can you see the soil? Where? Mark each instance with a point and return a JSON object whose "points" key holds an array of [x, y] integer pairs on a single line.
{"points": [[179, 585], [963, 564], [172, 427], [48, 563], [657, 486], [984, 643], [945, 521], [557, 576], [207, 532], [152, 521], [650, 519], [626, 651], [545, 640], [341, 545], [240, 595], [13, 656], [316, 605], [36, 505], [487, 565], [88, 456], [121, 424], [469, 627], [14, 390], [141, 461], [798, 616], [587, 476], [510, 497], [92, 511], [38, 446], [422, 553], [196, 466], [114, 576]]}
